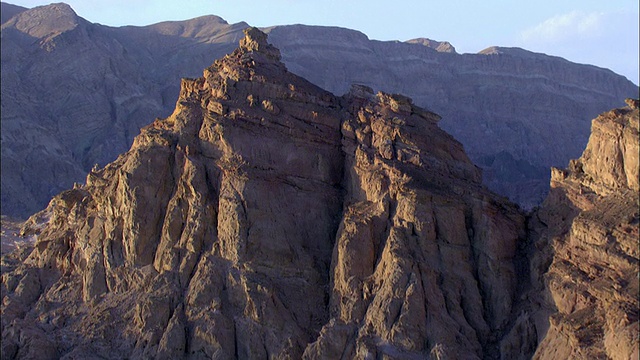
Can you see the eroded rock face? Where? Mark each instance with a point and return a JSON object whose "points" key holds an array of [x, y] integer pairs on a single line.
{"points": [[424, 257], [268, 218], [517, 113], [588, 228]]}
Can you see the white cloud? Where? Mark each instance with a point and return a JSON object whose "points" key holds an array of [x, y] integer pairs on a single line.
{"points": [[606, 39], [562, 27]]}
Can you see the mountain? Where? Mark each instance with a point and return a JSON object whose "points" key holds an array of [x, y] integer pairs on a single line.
{"points": [[9, 11], [75, 94], [266, 217], [269, 218], [61, 112]]}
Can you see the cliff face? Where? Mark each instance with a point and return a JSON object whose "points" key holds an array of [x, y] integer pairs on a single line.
{"points": [[63, 113], [268, 218], [588, 231], [423, 262], [503, 104]]}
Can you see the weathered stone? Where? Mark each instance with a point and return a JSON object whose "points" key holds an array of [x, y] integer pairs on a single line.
{"points": [[590, 226], [333, 227]]}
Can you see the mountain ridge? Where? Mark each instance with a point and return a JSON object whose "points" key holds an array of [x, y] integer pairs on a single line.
{"points": [[467, 90], [267, 217]]}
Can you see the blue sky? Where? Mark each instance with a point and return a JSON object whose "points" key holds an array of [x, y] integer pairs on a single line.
{"points": [[598, 32]]}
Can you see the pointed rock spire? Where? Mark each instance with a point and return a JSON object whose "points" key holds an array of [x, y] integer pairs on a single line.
{"points": [[256, 41]]}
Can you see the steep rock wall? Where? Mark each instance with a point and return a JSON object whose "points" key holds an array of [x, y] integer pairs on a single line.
{"points": [[587, 230], [517, 113], [268, 218]]}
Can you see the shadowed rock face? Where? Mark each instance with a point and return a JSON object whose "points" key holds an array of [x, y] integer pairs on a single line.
{"points": [[266, 217], [76, 94]]}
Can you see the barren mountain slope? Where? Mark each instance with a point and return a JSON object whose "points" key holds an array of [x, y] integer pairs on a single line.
{"points": [[9, 11], [267, 218], [75, 94]]}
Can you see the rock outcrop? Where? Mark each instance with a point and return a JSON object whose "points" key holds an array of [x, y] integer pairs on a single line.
{"points": [[587, 235], [440, 46], [517, 113], [268, 218], [424, 256]]}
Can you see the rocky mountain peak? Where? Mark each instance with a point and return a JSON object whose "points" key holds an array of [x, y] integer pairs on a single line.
{"points": [[63, 113], [267, 217], [256, 40], [45, 21], [439, 46]]}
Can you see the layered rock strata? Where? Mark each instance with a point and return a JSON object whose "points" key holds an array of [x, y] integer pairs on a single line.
{"points": [[268, 218], [516, 112], [587, 230], [75, 94]]}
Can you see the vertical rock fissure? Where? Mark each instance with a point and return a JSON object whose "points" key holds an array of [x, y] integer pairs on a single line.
{"points": [[488, 344]]}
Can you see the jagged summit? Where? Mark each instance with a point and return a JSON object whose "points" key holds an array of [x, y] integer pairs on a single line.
{"points": [[63, 113], [267, 217], [256, 40]]}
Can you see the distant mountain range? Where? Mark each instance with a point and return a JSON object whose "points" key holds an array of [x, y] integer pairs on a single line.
{"points": [[74, 94]]}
